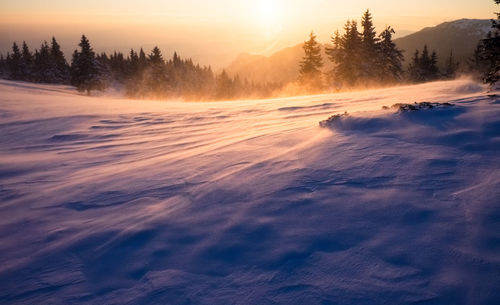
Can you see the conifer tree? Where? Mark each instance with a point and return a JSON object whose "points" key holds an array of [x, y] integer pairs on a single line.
{"points": [[336, 55], [433, 68], [490, 52], [59, 66], [14, 63], [347, 55], [157, 78], [133, 67], [451, 67], [425, 61], [85, 72], [414, 70], [310, 73], [44, 74], [3, 66], [477, 64], [389, 58], [424, 68], [223, 86], [143, 61], [26, 65], [369, 48]]}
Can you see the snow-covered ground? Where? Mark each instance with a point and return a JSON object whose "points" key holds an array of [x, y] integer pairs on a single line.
{"points": [[111, 201]]}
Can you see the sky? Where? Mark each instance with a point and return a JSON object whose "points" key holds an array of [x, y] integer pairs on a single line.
{"points": [[213, 32]]}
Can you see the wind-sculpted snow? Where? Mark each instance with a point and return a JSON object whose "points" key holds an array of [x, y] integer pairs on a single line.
{"points": [[110, 201]]}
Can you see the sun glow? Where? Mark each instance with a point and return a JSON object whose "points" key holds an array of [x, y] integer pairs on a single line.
{"points": [[269, 18], [268, 12]]}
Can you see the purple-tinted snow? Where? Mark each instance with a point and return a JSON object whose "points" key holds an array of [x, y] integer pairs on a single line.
{"points": [[110, 201]]}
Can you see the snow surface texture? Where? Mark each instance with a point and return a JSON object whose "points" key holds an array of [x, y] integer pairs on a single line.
{"points": [[111, 201]]}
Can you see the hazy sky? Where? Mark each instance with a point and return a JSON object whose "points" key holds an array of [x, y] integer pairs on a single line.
{"points": [[213, 31]]}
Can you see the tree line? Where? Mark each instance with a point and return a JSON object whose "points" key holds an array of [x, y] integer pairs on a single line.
{"points": [[363, 57], [141, 75]]}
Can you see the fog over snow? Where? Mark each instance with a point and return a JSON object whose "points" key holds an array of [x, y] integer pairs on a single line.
{"points": [[112, 201]]}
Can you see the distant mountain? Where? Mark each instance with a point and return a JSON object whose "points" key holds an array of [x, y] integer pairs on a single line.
{"points": [[461, 36]]}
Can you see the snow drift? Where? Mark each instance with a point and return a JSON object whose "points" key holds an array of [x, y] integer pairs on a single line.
{"points": [[111, 201]]}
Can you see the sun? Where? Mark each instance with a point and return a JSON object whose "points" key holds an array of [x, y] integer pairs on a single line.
{"points": [[268, 12]]}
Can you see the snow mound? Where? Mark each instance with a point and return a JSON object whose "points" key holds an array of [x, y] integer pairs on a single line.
{"points": [[404, 117]]}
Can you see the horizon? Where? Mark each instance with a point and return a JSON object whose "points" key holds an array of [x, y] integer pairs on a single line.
{"points": [[211, 34]]}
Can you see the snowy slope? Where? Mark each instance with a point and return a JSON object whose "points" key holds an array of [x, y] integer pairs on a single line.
{"points": [[112, 201]]}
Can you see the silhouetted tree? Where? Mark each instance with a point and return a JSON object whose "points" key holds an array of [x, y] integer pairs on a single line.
{"points": [[59, 66], [370, 60], [424, 68], [14, 63], [347, 55], [336, 55], [390, 58], [3, 66], [414, 72], [310, 73], [477, 64], [43, 64], [157, 77], [491, 52], [85, 72], [26, 65], [451, 67], [223, 86]]}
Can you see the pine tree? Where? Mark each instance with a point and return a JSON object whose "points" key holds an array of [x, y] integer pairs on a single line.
{"points": [[133, 66], [389, 58], [433, 68], [369, 49], [424, 68], [3, 66], [157, 80], [451, 67], [143, 61], [14, 63], [223, 86], [310, 73], [414, 70], [491, 52], [477, 64], [347, 55], [425, 63], [27, 63], [117, 65], [85, 74], [59, 66], [43, 71], [336, 55]]}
